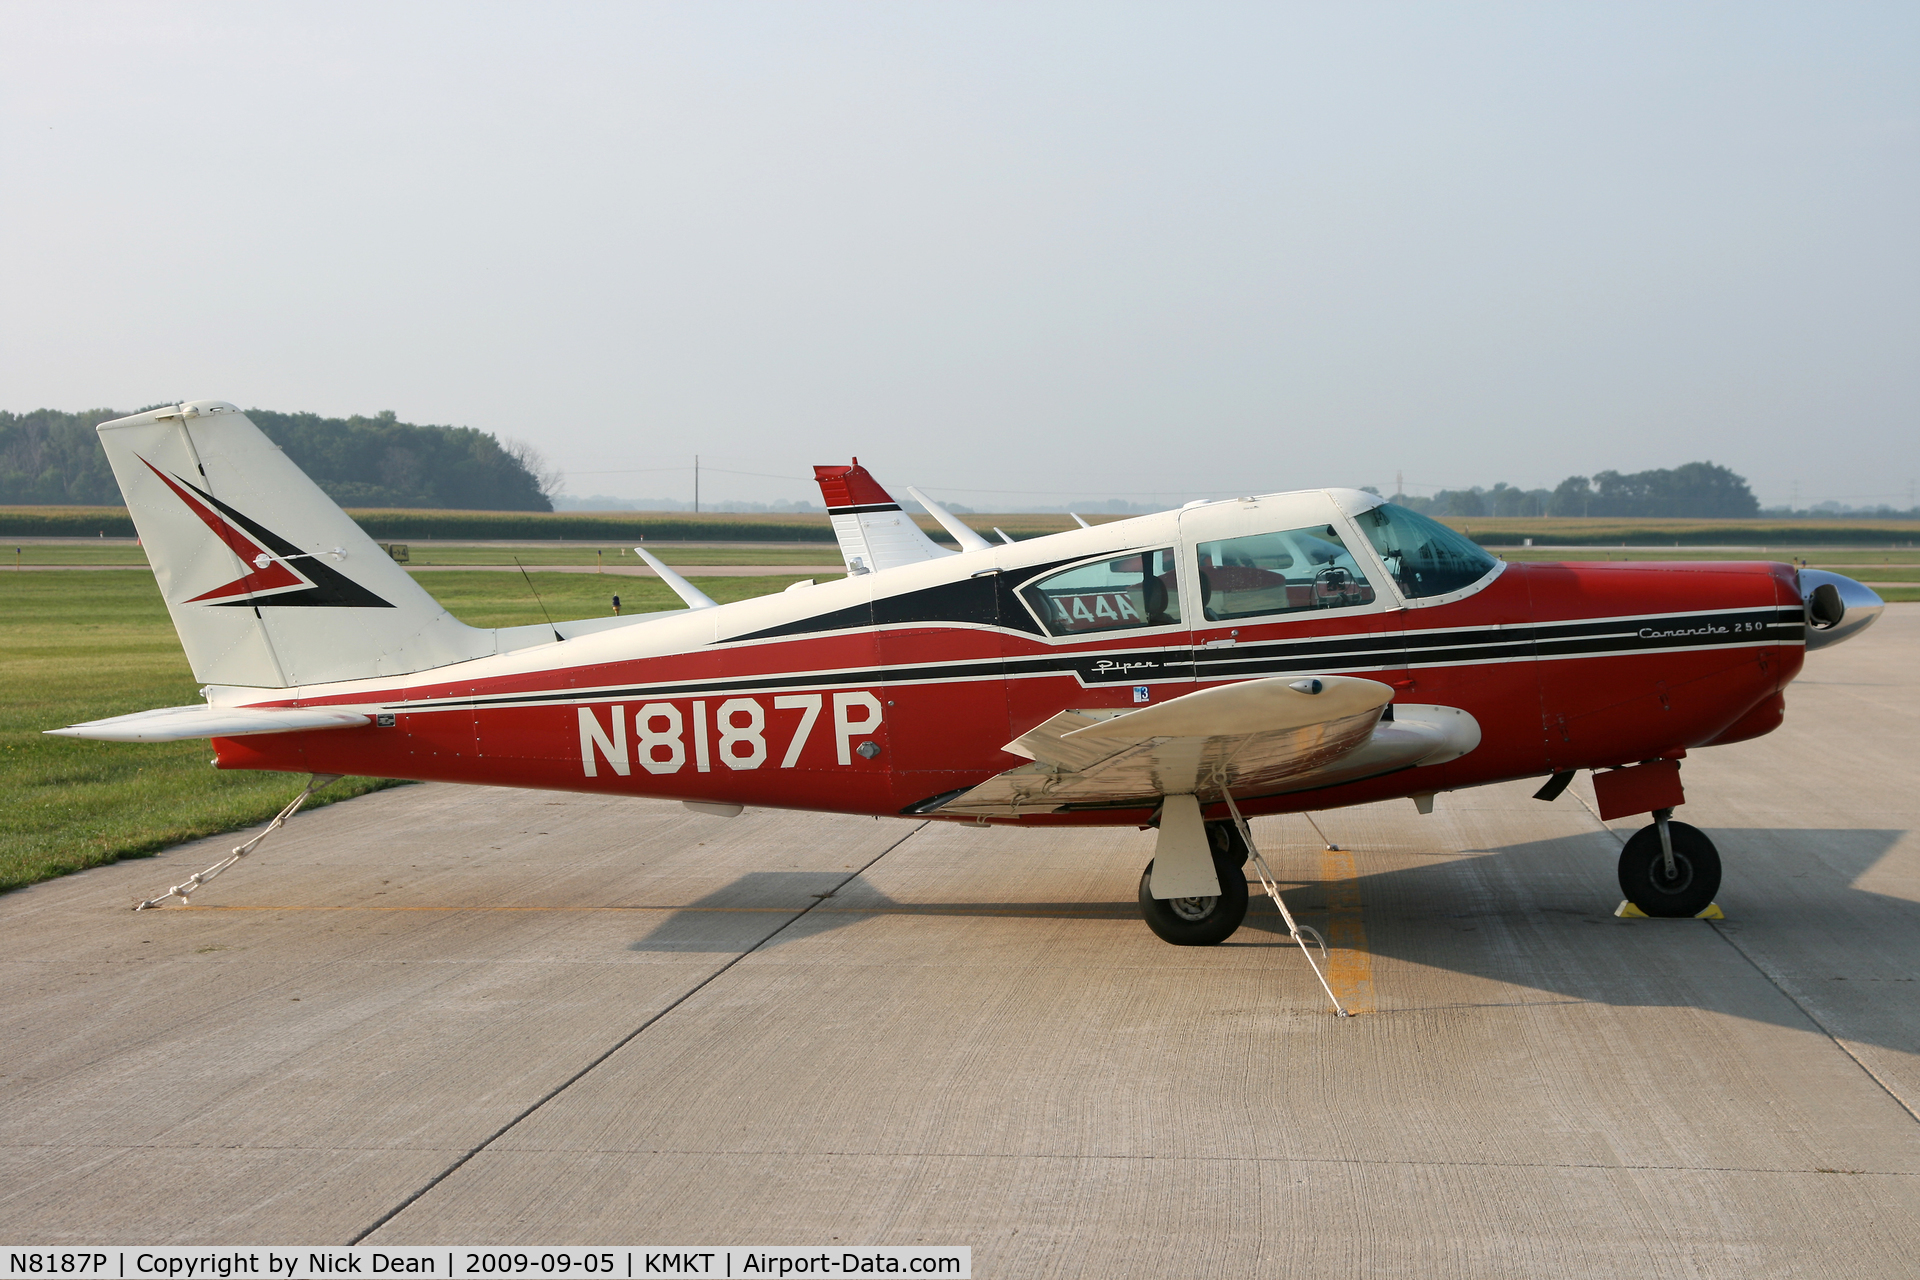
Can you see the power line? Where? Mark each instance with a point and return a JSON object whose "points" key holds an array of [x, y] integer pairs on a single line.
{"points": [[634, 471]]}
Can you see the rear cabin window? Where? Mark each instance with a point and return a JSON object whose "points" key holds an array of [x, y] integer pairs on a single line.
{"points": [[1285, 572], [1109, 595], [1424, 556]]}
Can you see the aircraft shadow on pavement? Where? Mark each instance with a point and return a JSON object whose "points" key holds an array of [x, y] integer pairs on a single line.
{"points": [[1537, 914]]}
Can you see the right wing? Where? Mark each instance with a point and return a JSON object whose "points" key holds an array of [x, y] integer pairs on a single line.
{"points": [[1253, 737]]}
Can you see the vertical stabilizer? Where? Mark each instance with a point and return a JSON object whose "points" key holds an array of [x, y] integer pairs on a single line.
{"points": [[270, 584], [874, 533]]}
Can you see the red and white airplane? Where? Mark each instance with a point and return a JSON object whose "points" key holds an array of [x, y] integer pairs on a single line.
{"points": [[1280, 652]]}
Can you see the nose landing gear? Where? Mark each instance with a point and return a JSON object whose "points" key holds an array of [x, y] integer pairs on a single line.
{"points": [[1670, 869]]}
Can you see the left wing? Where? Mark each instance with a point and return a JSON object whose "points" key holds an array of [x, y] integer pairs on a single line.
{"points": [[1255, 736]]}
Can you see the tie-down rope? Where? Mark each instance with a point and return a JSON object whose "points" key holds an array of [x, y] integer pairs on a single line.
{"points": [[1272, 886], [198, 878]]}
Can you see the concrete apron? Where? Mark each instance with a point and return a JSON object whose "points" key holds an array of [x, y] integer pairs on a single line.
{"points": [[462, 1015]]}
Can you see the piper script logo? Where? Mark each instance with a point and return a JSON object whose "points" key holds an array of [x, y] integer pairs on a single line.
{"points": [[665, 736]]}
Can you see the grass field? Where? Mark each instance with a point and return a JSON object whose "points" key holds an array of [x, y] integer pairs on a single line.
{"points": [[614, 528], [617, 528], [1512, 531], [614, 555], [89, 644], [619, 554]]}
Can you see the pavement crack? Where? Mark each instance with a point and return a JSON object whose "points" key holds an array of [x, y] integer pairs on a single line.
{"points": [[1777, 984], [622, 1043], [1182, 1158], [1815, 1019]]}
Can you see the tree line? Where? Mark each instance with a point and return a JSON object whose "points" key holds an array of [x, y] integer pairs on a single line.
{"points": [[1698, 490], [52, 458]]}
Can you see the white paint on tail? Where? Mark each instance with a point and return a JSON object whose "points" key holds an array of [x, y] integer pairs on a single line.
{"points": [[873, 532], [270, 584]]}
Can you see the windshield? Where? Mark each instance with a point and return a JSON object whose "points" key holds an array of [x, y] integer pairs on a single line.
{"points": [[1424, 556]]}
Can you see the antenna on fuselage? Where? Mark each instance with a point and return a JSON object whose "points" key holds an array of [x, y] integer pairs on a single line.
{"points": [[537, 600]]}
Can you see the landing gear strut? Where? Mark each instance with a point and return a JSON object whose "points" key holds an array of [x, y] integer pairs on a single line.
{"points": [[1202, 922], [1670, 869]]}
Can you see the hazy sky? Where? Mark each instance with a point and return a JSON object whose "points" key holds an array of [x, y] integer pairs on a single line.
{"points": [[1065, 250]]}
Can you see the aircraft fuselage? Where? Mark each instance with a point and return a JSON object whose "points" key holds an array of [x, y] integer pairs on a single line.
{"points": [[881, 693]]}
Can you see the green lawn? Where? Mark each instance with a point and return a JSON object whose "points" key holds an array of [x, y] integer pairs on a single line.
{"points": [[1859, 561], [491, 599], [92, 643], [533, 555], [615, 556], [95, 643], [13, 553]]}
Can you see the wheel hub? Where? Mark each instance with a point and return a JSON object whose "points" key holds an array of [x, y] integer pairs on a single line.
{"points": [[1679, 881], [1193, 908]]}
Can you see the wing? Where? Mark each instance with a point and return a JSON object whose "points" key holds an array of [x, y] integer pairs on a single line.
{"points": [[1254, 737]]}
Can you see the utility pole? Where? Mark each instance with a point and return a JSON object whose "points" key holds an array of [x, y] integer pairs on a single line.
{"points": [[696, 484], [1399, 487]]}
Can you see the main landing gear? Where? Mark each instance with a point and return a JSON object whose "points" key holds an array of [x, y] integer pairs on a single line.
{"points": [[1669, 869], [1202, 922], [1205, 921]]}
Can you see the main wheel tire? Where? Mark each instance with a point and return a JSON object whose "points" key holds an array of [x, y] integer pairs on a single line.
{"points": [[1196, 922], [1696, 864]]}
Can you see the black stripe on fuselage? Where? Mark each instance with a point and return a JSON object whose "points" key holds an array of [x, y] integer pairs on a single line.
{"points": [[984, 601], [1362, 652]]}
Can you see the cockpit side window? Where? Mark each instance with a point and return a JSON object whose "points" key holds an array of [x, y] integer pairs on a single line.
{"points": [[1424, 556], [1283, 572], [1140, 590]]}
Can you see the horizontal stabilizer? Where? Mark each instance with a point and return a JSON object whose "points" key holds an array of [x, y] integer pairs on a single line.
{"points": [[174, 724]]}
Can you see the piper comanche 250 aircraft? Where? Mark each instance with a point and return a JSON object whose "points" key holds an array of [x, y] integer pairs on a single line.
{"points": [[1281, 652]]}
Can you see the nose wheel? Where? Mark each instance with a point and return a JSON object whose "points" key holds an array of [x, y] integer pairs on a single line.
{"points": [[1678, 886]]}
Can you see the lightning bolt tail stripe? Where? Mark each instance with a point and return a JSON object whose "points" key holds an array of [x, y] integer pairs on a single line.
{"points": [[315, 584], [275, 576]]}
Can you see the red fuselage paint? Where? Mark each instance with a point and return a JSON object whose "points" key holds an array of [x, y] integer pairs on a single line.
{"points": [[1564, 666]]}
